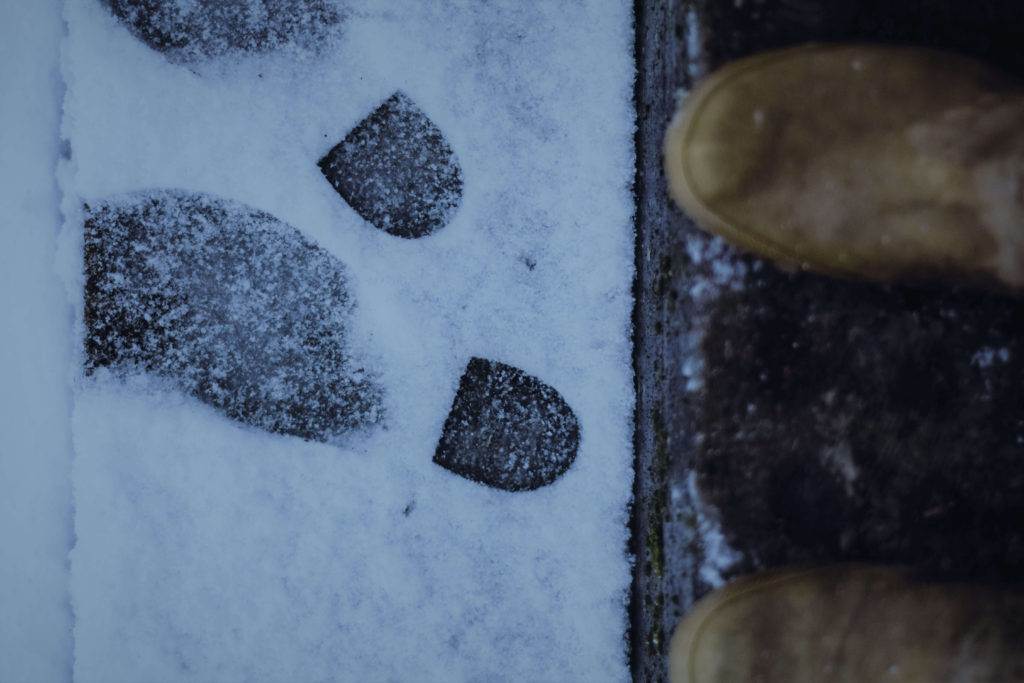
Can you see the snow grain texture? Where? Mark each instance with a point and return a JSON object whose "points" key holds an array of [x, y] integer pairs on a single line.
{"points": [[231, 306], [507, 429], [198, 30], [396, 170], [208, 549]]}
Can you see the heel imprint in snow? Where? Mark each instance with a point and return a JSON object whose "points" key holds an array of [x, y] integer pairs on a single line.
{"points": [[188, 31], [229, 305], [507, 429], [397, 171]]}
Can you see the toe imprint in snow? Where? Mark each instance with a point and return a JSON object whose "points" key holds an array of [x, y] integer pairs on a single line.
{"points": [[397, 171], [507, 429], [193, 30], [229, 305]]}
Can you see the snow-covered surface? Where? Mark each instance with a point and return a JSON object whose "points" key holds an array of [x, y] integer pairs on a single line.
{"points": [[209, 549], [716, 555], [35, 362]]}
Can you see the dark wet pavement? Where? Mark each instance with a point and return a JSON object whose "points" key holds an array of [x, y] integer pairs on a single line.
{"points": [[810, 420]]}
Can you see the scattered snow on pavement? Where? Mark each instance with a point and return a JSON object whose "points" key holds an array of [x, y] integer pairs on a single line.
{"points": [[210, 549]]}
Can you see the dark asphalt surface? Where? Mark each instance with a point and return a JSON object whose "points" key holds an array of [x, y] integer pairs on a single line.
{"points": [[819, 420]]}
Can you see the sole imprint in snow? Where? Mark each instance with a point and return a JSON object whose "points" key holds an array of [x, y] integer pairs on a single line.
{"points": [[193, 30], [396, 170], [507, 429], [229, 304]]}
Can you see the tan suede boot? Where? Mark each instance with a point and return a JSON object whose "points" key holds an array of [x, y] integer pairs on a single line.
{"points": [[892, 164], [851, 623]]}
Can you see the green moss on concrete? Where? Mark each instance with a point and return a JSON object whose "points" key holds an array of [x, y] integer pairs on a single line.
{"points": [[660, 461], [656, 634], [657, 504], [663, 280], [654, 548]]}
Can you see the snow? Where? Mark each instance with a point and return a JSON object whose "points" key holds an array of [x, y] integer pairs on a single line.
{"points": [[717, 556], [986, 356], [35, 401], [208, 548]]}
